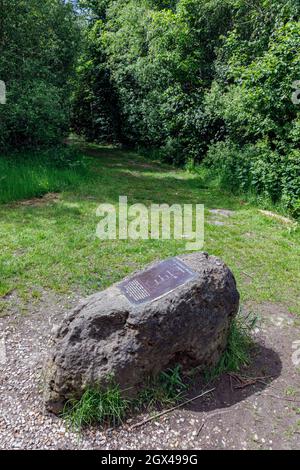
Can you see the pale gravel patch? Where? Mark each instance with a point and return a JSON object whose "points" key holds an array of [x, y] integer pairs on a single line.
{"points": [[215, 213], [222, 212]]}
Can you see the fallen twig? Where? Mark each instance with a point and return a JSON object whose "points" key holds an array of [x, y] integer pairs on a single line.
{"points": [[201, 427], [141, 423], [244, 381], [222, 412]]}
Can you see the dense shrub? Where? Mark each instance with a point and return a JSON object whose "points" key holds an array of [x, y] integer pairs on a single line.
{"points": [[261, 121], [257, 169], [195, 78], [38, 47]]}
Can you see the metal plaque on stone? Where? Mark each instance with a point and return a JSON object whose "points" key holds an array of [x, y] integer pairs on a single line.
{"points": [[157, 281]]}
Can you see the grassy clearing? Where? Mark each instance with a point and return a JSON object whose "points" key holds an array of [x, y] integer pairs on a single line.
{"points": [[54, 246]]}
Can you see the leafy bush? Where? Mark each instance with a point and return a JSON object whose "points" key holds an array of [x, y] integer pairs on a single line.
{"points": [[182, 76], [38, 49], [262, 123], [258, 169]]}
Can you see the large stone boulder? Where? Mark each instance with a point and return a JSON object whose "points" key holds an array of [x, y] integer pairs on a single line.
{"points": [[119, 333]]}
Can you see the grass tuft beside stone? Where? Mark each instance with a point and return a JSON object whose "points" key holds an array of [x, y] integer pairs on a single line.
{"points": [[109, 408], [96, 406], [240, 344]]}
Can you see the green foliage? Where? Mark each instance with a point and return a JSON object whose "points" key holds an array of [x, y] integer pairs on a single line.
{"points": [[257, 169], [95, 114], [186, 78], [166, 390], [38, 47], [181, 76], [158, 57], [262, 123]]}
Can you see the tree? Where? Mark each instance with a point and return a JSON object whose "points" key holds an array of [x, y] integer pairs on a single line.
{"points": [[38, 47]]}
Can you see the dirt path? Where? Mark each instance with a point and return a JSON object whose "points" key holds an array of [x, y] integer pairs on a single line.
{"points": [[259, 416]]}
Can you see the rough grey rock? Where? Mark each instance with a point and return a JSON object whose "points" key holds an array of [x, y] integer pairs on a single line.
{"points": [[106, 335]]}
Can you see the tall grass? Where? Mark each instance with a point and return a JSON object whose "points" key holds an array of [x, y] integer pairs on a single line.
{"points": [[28, 175], [96, 406], [109, 407], [239, 346]]}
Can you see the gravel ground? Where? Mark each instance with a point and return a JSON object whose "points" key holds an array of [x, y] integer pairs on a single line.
{"points": [[264, 415]]}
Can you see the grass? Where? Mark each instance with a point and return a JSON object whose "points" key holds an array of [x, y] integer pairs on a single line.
{"points": [[238, 351], [54, 246], [96, 406], [33, 174], [107, 407], [166, 390]]}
